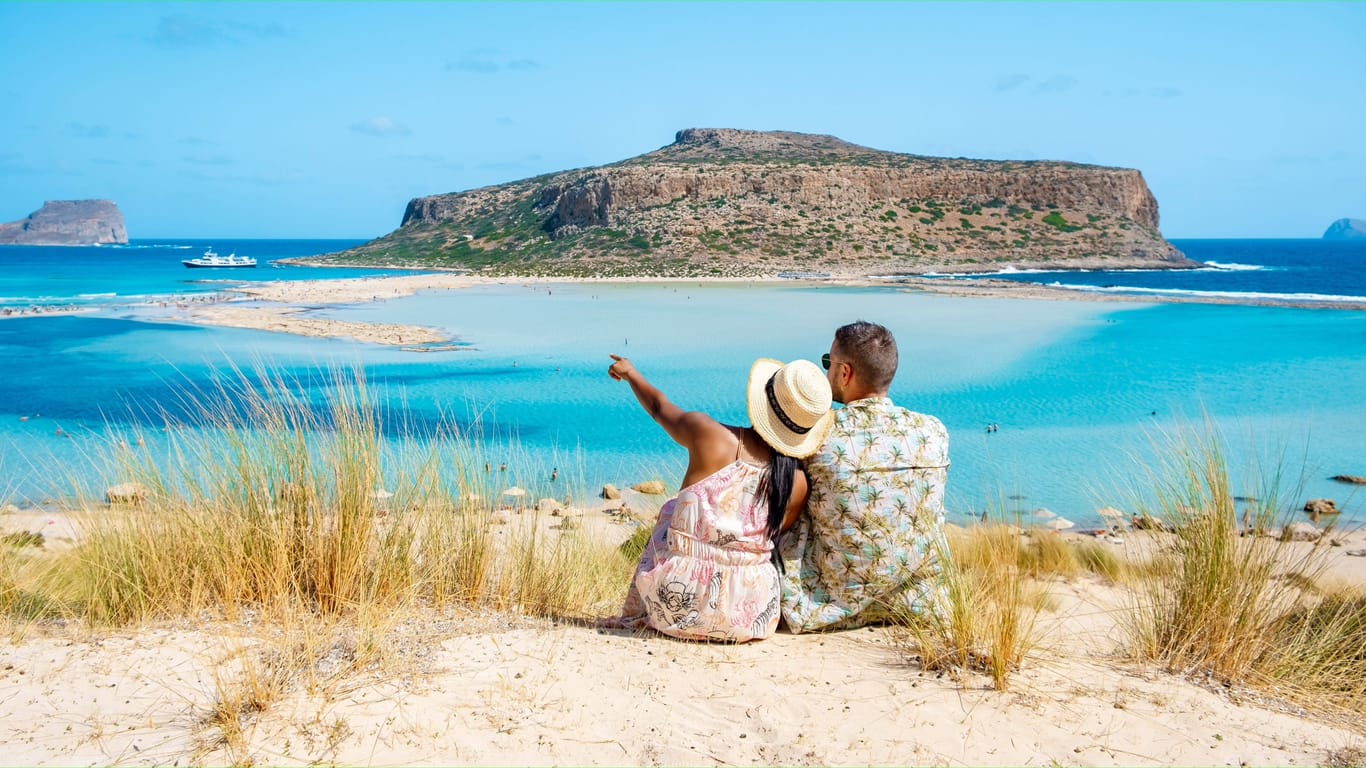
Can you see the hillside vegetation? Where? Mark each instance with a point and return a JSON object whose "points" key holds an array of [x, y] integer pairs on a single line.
{"points": [[730, 202]]}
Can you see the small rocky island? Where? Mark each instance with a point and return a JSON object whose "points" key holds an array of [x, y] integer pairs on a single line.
{"points": [[725, 202], [1346, 229], [68, 222]]}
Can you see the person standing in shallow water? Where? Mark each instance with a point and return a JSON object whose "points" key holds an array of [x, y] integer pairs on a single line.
{"points": [[708, 571], [869, 543]]}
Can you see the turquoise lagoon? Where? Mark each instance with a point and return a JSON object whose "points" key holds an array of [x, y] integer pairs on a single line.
{"points": [[1086, 394]]}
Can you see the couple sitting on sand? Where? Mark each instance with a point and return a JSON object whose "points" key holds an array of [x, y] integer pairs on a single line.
{"points": [[829, 519]]}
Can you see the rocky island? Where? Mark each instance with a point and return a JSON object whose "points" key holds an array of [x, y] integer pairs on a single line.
{"points": [[68, 222], [738, 203], [1346, 229]]}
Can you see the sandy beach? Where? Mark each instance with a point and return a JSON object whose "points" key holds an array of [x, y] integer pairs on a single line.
{"points": [[487, 688]]}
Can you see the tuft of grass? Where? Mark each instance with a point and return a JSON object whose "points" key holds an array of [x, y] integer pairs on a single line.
{"points": [[1345, 757], [268, 498], [22, 539], [9, 583], [987, 617], [1049, 554], [246, 684], [1244, 608], [632, 548], [1317, 652], [1100, 558]]}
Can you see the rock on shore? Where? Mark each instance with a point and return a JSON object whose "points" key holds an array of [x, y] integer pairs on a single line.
{"points": [[68, 222]]}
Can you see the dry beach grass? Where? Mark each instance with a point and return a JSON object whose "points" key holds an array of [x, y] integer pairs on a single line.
{"points": [[261, 603]]}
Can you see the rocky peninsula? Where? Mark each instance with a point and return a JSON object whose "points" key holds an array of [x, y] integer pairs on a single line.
{"points": [[68, 222], [723, 202], [1346, 229]]}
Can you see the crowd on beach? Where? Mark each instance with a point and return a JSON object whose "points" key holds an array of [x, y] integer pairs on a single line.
{"points": [[184, 301], [810, 518], [40, 309]]}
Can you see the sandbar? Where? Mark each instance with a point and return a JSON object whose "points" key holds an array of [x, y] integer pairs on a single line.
{"points": [[289, 306]]}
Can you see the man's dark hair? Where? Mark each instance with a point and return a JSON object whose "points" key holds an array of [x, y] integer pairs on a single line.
{"points": [[871, 350]]}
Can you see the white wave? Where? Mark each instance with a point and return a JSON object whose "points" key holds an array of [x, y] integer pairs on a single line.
{"points": [[95, 295], [33, 299], [1234, 267], [1013, 271], [141, 247], [1245, 295]]}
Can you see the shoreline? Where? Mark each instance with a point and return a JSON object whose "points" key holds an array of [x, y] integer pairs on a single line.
{"points": [[285, 306]]}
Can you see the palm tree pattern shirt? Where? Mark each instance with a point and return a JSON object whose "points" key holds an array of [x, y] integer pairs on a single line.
{"points": [[868, 544]]}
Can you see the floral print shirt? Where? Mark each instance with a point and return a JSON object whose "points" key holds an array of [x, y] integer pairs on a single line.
{"points": [[870, 540]]}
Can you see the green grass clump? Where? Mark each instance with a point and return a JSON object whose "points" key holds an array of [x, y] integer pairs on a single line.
{"points": [[1056, 220], [1244, 608], [987, 615]]}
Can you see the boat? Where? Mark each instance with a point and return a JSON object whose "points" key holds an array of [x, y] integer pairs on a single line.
{"points": [[211, 259]]}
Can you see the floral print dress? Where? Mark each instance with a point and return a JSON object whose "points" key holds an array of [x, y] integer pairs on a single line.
{"points": [[706, 572], [869, 542]]}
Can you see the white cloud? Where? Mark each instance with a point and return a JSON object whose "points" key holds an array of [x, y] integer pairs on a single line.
{"points": [[380, 126], [487, 61], [208, 159], [179, 31], [1011, 82], [1056, 84]]}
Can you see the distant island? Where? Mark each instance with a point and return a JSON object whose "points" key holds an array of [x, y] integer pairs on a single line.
{"points": [[1346, 229], [68, 222], [744, 203]]}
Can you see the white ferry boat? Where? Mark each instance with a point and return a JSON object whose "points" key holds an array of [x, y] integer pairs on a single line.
{"points": [[211, 259]]}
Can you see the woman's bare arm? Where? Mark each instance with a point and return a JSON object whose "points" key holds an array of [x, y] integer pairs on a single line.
{"points": [[800, 492], [682, 426]]}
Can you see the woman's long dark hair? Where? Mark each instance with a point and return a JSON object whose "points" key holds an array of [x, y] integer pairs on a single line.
{"points": [[776, 483]]}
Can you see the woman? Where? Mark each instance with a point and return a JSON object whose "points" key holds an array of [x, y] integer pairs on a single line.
{"points": [[709, 570]]}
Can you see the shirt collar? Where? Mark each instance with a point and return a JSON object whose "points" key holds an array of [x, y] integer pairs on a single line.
{"points": [[869, 402]]}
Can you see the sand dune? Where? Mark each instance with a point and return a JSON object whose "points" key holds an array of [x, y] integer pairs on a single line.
{"points": [[480, 688]]}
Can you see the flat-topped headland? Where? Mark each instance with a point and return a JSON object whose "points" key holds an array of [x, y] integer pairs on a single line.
{"points": [[68, 222], [723, 202]]}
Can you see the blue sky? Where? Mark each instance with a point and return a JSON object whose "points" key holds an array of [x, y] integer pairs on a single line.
{"points": [[323, 119]]}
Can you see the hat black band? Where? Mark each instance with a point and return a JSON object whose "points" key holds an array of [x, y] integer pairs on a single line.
{"points": [[778, 409]]}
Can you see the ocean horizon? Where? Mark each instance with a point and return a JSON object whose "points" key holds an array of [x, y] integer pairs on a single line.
{"points": [[1085, 393]]}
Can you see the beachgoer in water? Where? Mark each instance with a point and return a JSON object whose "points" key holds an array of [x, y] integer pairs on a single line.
{"points": [[709, 571]]}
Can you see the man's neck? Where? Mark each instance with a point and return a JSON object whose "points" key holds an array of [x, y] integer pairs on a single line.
{"points": [[865, 396]]}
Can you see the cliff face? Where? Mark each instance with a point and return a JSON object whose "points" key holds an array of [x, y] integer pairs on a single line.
{"points": [[1346, 229], [68, 222], [748, 202]]}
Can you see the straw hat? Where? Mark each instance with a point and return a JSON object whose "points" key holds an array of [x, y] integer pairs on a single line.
{"points": [[789, 405]]}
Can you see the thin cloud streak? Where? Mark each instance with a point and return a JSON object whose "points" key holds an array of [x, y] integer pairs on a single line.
{"points": [[180, 31], [380, 126]]}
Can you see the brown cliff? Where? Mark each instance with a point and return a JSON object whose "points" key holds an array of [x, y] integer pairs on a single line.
{"points": [[720, 201], [68, 222]]}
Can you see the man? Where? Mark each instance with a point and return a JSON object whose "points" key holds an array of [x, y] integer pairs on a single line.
{"points": [[869, 543]]}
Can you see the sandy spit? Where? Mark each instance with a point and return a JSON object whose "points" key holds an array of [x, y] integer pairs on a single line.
{"points": [[286, 306]]}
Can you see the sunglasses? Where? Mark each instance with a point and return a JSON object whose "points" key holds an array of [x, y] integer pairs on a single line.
{"points": [[825, 361]]}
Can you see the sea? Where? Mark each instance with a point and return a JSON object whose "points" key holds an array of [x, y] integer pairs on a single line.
{"points": [[1068, 406]]}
